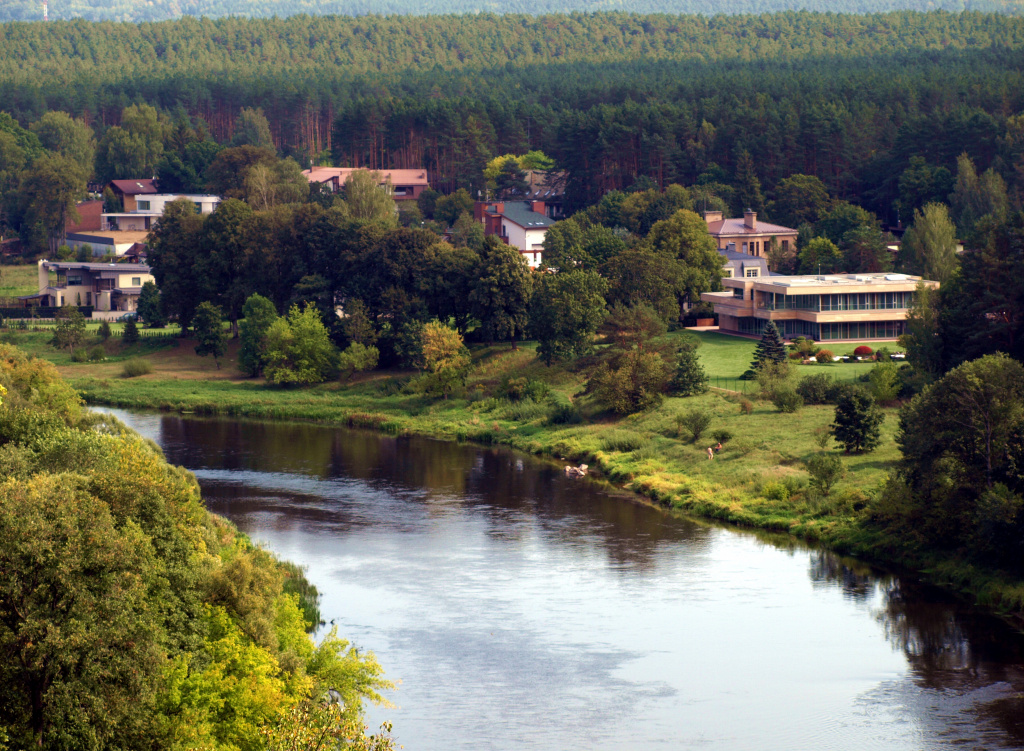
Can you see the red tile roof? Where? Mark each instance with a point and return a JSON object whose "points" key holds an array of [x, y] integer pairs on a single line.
{"points": [[730, 227], [398, 176], [135, 187]]}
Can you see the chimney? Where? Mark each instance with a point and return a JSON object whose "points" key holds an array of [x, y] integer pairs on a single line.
{"points": [[712, 216], [537, 206], [750, 219]]}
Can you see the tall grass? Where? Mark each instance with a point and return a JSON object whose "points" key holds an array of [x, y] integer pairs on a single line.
{"points": [[136, 367]]}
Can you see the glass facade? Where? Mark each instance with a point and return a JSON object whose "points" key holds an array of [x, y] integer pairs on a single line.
{"points": [[855, 330], [831, 303]]}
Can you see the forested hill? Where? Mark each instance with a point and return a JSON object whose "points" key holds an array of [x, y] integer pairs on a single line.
{"points": [[161, 10]]}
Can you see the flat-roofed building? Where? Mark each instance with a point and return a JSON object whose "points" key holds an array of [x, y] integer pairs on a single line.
{"points": [[833, 307], [405, 184], [103, 286]]}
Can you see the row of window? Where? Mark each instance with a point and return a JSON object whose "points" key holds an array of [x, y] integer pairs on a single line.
{"points": [[825, 331], [855, 301]]}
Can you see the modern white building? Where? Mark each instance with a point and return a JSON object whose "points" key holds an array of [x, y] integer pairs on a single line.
{"points": [[149, 209]]}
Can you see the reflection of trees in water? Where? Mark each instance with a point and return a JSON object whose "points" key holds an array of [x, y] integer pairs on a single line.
{"points": [[856, 580], [514, 492]]}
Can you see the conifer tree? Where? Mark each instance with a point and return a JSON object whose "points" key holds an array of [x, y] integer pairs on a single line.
{"points": [[690, 378], [770, 347]]}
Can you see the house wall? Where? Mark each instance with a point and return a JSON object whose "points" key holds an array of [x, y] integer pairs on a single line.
{"points": [[524, 238], [755, 245]]}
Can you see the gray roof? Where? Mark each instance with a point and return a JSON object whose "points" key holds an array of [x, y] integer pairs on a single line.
{"points": [[737, 260], [522, 213]]}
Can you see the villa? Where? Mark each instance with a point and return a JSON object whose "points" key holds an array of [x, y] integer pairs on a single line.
{"points": [[835, 307]]}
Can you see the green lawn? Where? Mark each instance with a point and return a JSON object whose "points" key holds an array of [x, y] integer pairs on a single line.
{"points": [[19, 280]]}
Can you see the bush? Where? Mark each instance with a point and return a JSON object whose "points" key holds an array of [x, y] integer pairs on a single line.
{"points": [[104, 330], [819, 388], [775, 491], [885, 382], [80, 355], [565, 414], [131, 332], [794, 356], [824, 357], [883, 355], [825, 470], [787, 400], [746, 406], [804, 347], [136, 367], [518, 389], [97, 354], [721, 436], [862, 351], [695, 422]]}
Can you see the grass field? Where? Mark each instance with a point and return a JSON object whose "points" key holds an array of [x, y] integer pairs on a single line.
{"points": [[19, 280]]}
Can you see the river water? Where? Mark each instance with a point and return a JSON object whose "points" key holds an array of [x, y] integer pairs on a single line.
{"points": [[523, 610]]}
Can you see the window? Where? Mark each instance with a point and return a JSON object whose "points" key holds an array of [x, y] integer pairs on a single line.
{"points": [[753, 272], [199, 208], [88, 298], [727, 273], [143, 205], [75, 280], [136, 281], [737, 292]]}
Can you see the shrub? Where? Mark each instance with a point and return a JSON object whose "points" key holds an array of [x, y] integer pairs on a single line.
{"points": [[796, 356], [787, 400], [131, 332], [518, 389], [883, 355], [104, 330], [819, 388], [746, 406], [695, 422], [825, 470], [565, 414], [885, 382], [721, 436], [862, 351], [136, 367], [805, 347], [79, 355], [775, 491], [97, 354], [824, 356]]}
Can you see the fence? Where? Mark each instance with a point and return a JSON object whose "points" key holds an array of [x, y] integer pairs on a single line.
{"points": [[752, 387]]}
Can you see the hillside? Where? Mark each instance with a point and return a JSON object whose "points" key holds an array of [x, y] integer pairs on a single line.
{"points": [[160, 10]]}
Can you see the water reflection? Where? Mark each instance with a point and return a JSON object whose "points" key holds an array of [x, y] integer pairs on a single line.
{"points": [[524, 610]]}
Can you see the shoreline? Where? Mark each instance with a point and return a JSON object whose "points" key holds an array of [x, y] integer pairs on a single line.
{"points": [[693, 497]]}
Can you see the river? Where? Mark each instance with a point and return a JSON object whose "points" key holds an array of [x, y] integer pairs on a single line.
{"points": [[520, 609]]}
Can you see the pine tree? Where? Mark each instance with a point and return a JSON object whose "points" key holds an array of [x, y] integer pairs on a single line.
{"points": [[770, 347], [131, 332], [690, 378], [858, 421]]}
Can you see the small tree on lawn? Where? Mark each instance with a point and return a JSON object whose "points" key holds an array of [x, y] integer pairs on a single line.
{"points": [[104, 331], [770, 348], [299, 349], [131, 332], [825, 470], [690, 378], [858, 421], [211, 338], [444, 357], [357, 357], [69, 331]]}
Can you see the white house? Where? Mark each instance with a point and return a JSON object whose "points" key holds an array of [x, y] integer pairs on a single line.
{"points": [[149, 210], [521, 224]]}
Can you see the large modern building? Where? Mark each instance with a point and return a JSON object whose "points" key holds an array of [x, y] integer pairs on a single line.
{"points": [[835, 307]]}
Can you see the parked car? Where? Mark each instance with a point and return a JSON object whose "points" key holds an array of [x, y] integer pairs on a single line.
{"points": [[125, 317]]}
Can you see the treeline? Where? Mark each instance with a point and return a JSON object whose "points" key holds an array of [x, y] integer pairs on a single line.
{"points": [[131, 617], [611, 97], [162, 10]]}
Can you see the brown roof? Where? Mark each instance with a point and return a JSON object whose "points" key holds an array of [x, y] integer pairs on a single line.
{"points": [[135, 187], [398, 176], [730, 227]]}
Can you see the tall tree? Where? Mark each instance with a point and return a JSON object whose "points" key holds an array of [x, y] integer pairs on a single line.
{"points": [[929, 245], [770, 348], [49, 191], [685, 238], [73, 139], [175, 256], [258, 316], [501, 295], [211, 338], [252, 129], [565, 312]]}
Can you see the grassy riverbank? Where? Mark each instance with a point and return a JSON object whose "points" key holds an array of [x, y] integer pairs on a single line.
{"points": [[759, 480]]}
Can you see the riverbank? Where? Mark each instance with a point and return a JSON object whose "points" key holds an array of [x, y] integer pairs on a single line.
{"points": [[758, 480]]}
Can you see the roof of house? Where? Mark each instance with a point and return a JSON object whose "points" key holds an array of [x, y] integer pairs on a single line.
{"points": [[522, 213], [729, 227], [109, 237], [397, 176], [545, 185], [135, 187]]}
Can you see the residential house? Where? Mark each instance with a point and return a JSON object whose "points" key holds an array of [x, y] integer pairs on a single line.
{"points": [[89, 217], [102, 286], [834, 307], [548, 187], [406, 184], [737, 265], [748, 234], [128, 191], [149, 208], [521, 224]]}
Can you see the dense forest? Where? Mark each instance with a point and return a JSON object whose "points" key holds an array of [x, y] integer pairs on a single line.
{"points": [[161, 10], [611, 97]]}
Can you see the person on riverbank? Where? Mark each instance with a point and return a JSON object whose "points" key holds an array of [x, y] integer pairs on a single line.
{"points": [[711, 453]]}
